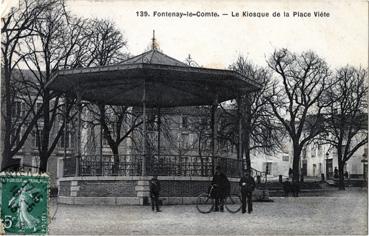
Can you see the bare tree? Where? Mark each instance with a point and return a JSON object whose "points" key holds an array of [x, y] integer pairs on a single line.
{"points": [[106, 45], [17, 25], [296, 97], [183, 132], [25, 111], [201, 127], [179, 123], [260, 128], [57, 43], [118, 123], [44, 37], [346, 116]]}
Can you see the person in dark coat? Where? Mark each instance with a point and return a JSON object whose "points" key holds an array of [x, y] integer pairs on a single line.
{"points": [[247, 185], [295, 188], [286, 187], [222, 188], [154, 193], [290, 172], [346, 175]]}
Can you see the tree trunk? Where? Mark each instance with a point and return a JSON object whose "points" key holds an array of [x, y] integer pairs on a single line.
{"points": [[45, 134], [8, 163], [43, 163], [341, 184], [115, 167], [341, 164], [296, 163]]}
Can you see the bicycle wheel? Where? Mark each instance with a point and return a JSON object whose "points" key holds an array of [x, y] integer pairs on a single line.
{"points": [[233, 203], [204, 203]]}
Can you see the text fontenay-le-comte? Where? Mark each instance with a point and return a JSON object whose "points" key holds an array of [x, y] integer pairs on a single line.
{"points": [[296, 14]]}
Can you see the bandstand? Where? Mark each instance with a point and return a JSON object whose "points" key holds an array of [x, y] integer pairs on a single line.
{"points": [[149, 80]]}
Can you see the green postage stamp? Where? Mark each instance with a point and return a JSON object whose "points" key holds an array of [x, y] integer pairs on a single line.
{"points": [[24, 203]]}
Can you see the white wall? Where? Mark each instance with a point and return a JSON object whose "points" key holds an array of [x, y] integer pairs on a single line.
{"points": [[354, 165], [279, 166]]}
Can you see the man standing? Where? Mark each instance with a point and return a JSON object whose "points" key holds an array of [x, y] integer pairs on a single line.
{"points": [[154, 193], [247, 185], [286, 187], [222, 188]]}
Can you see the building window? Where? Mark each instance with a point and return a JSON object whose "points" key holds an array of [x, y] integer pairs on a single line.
{"points": [[185, 141], [204, 124], [152, 122], [17, 109], [334, 153], [223, 145], [73, 139], [36, 134], [304, 153], [320, 150], [285, 158], [64, 140], [184, 122], [313, 152], [69, 140], [35, 162], [38, 106], [105, 142], [268, 168]]}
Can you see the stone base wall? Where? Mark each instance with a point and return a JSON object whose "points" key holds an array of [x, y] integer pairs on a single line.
{"points": [[109, 188], [64, 188], [100, 200], [132, 190]]}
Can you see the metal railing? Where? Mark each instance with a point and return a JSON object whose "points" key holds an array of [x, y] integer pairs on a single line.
{"points": [[107, 165], [163, 165]]}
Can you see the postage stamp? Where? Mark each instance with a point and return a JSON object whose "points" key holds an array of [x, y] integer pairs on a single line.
{"points": [[24, 203]]}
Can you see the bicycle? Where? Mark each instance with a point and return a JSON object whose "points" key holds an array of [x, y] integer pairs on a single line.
{"points": [[205, 202]]}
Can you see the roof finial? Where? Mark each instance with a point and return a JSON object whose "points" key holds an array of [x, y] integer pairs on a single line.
{"points": [[190, 61], [153, 46]]}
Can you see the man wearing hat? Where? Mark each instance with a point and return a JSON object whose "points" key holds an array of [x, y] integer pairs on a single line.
{"points": [[222, 188], [154, 193], [247, 184]]}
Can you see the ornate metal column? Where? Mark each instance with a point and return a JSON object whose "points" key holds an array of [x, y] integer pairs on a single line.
{"points": [[143, 172], [101, 147], [240, 158], [213, 132], [159, 131], [79, 130]]}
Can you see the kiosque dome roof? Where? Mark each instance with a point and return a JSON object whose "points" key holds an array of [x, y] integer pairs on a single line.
{"points": [[155, 77]]}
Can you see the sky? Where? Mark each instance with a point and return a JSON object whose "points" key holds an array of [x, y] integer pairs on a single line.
{"points": [[216, 42], [341, 38]]}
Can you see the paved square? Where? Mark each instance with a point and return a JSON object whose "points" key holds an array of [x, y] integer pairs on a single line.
{"points": [[337, 213]]}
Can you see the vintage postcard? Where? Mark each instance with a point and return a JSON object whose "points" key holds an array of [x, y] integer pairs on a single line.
{"points": [[146, 117]]}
